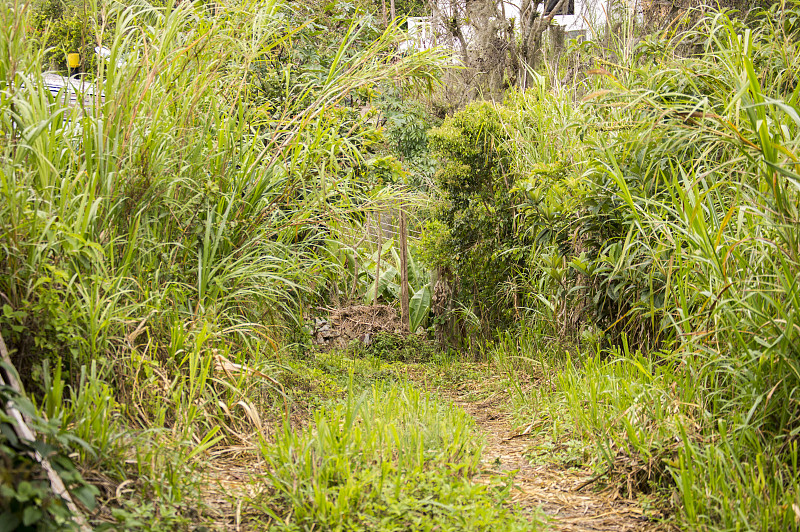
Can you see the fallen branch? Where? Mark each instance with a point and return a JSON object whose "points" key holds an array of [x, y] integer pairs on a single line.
{"points": [[24, 432]]}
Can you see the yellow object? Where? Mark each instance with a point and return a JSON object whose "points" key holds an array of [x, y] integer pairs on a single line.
{"points": [[73, 60]]}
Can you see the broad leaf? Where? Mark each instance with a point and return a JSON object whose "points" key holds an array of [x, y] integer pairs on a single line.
{"points": [[419, 306]]}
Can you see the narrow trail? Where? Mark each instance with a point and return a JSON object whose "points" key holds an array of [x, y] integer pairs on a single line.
{"points": [[562, 497], [554, 490]]}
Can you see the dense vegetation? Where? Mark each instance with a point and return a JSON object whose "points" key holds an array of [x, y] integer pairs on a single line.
{"points": [[650, 229], [629, 238]]}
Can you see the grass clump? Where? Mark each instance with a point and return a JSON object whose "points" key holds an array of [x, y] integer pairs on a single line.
{"points": [[649, 427], [388, 458]]}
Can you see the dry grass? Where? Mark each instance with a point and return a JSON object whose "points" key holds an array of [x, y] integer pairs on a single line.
{"points": [[357, 322], [562, 493]]}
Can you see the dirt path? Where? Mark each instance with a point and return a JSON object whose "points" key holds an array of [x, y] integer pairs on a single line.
{"points": [[547, 491], [556, 491]]}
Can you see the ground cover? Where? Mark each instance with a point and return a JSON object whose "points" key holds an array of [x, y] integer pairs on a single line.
{"points": [[414, 446], [554, 475]]}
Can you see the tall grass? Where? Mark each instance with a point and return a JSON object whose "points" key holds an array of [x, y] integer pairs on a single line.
{"points": [[167, 220], [669, 226]]}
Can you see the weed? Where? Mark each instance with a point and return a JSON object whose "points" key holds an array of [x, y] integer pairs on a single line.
{"points": [[26, 499], [389, 458]]}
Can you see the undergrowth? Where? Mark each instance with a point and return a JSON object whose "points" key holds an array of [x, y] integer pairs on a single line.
{"points": [[642, 253], [388, 458], [398, 347], [160, 234], [165, 234]]}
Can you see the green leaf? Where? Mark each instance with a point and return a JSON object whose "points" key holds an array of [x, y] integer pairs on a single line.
{"points": [[8, 431], [86, 495], [385, 284], [8, 521], [32, 514], [419, 306], [25, 491]]}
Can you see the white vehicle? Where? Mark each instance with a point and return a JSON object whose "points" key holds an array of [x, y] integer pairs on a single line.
{"points": [[70, 87]]}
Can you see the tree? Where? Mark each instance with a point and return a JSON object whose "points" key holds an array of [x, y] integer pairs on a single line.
{"points": [[496, 46], [532, 27]]}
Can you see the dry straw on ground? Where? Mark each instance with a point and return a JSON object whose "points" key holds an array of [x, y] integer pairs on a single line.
{"points": [[356, 323]]}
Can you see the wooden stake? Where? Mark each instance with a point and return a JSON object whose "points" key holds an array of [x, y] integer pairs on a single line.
{"points": [[404, 311], [378, 262]]}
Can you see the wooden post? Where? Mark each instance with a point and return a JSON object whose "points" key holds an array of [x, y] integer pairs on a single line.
{"points": [[378, 262], [391, 4], [385, 22], [404, 311]]}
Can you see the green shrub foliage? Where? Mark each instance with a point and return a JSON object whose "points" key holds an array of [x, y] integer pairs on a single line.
{"points": [[475, 228], [27, 501], [656, 213]]}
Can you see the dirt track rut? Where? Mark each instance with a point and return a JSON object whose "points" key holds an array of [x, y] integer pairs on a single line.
{"points": [[564, 495]]}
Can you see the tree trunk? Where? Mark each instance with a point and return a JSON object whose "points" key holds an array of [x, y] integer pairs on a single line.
{"points": [[557, 39], [533, 25], [444, 322], [453, 25]]}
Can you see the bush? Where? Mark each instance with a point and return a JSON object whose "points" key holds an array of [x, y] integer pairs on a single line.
{"points": [[478, 210]]}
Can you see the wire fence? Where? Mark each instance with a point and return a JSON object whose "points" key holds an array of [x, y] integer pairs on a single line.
{"points": [[379, 227]]}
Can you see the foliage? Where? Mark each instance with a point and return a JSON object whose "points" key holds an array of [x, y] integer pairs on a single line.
{"points": [[407, 126], [435, 241], [64, 27], [478, 209], [397, 347], [26, 499], [662, 247], [169, 222], [388, 285], [637, 247], [391, 458]]}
